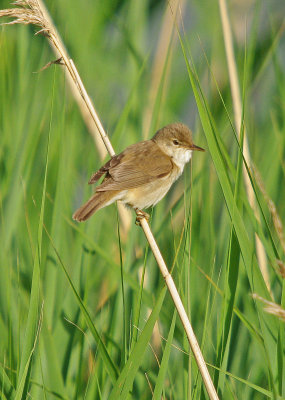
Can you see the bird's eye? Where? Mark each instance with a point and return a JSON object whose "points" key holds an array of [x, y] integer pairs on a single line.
{"points": [[175, 142]]}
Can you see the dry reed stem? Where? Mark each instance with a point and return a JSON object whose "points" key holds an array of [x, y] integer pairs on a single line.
{"points": [[181, 311], [34, 15], [271, 307], [34, 12], [272, 208], [281, 266], [260, 251], [124, 213]]}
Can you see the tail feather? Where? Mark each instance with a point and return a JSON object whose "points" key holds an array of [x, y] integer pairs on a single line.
{"points": [[97, 201]]}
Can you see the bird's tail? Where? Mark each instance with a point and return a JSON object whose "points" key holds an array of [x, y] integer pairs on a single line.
{"points": [[97, 201]]}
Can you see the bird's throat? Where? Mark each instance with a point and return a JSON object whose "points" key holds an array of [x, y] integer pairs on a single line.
{"points": [[181, 157]]}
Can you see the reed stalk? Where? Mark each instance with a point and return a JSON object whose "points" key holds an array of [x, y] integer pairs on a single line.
{"points": [[34, 12], [237, 105]]}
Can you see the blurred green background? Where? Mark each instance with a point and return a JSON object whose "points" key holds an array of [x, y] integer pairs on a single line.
{"points": [[205, 228]]}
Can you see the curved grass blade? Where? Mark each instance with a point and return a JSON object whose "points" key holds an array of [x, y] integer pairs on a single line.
{"points": [[109, 365], [6, 388], [125, 381], [32, 320], [267, 324], [164, 363]]}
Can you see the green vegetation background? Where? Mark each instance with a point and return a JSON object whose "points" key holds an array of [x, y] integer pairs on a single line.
{"points": [[90, 341]]}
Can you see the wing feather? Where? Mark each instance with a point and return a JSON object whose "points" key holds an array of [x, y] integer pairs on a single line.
{"points": [[139, 164]]}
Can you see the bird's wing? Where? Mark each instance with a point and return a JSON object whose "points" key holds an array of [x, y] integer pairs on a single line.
{"points": [[102, 171], [139, 164]]}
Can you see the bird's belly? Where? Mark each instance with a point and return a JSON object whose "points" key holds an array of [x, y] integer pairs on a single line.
{"points": [[148, 195]]}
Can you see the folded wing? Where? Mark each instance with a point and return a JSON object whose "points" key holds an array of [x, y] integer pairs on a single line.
{"points": [[139, 164]]}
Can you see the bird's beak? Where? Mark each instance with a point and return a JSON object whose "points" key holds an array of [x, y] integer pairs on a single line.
{"points": [[197, 148]]}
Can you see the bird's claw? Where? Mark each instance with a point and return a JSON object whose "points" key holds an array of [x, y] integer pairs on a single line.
{"points": [[141, 215]]}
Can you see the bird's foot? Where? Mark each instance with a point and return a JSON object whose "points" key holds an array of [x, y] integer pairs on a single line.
{"points": [[140, 215]]}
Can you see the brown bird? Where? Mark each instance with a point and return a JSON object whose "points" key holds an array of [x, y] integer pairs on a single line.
{"points": [[143, 173]]}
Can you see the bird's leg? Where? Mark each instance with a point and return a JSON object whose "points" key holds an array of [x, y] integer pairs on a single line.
{"points": [[140, 215]]}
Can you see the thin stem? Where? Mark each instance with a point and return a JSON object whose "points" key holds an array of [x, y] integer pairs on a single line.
{"points": [[60, 50], [237, 105], [37, 7], [181, 311]]}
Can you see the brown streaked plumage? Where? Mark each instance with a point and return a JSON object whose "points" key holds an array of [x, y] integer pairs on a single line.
{"points": [[143, 173]]}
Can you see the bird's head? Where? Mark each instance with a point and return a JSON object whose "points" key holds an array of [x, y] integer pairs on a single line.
{"points": [[176, 141]]}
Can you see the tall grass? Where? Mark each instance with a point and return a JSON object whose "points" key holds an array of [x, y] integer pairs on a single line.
{"points": [[73, 323]]}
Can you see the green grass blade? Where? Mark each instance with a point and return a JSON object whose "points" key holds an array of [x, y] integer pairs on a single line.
{"points": [[268, 324], [126, 378], [35, 293], [124, 350], [109, 365], [6, 388], [165, 361]]}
